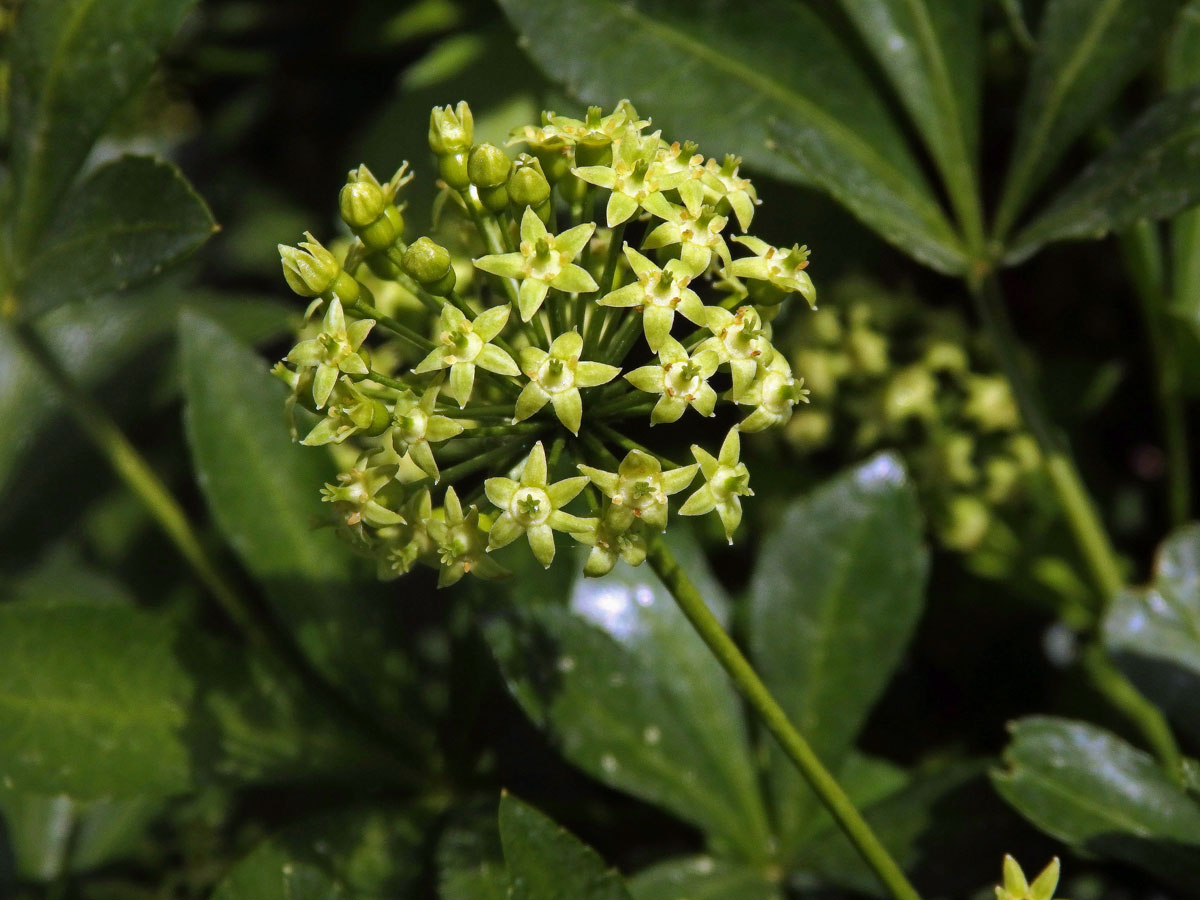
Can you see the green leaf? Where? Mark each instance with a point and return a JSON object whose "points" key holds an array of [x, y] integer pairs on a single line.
{"points": [[93, 702], [682, 62], [546, 862], [942, 828], [1155, 632], [1152, 172], [470, 860], [631, 696], [930, 51], [702, 878], [74, 63], [263, 491], [1183, 71], [1183, 53], [834, 598], [1087, 50], [123, 224], [352, 855], [1088, 788]]}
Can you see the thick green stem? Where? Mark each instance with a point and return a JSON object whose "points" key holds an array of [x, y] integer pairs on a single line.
{"points": [[1143, 259], [1082, 517], [844, 812]]}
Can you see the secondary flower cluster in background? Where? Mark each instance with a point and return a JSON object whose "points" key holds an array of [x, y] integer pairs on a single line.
{"points": [[499, 383]]}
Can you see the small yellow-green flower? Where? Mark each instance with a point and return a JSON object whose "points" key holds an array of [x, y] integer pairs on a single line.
{"points": [[464, 344], [312, 271], [774, 393], [544, 261], [657, 294], [726, 481], [697, 232], [635, 175], [350, 411], [357, 496], [639, 489], [462, 544], [682, 380], [610, 543], [1016, 887], [533, 507], [416, 426], [333, 351], [556, 377], [742, 340], [730, 188], [782, 268]]}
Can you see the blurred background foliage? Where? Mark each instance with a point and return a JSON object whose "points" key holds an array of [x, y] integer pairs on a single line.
{"points": [[372, 766]]}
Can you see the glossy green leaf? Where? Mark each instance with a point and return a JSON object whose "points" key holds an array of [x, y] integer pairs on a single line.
{"points": [[630, 695], [702, 878], [1152, 172], [730, 76], [546, 862], [263, 491], [354, 855], [1155, 632], [1087, 50], [931, 53], [122, 224], [74, 63], [834, 598], [943, 828], [1088, 788], [93, 702]]}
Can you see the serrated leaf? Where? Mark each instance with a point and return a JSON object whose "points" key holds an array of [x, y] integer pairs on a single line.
{"points": [[1152, 172], [124, 223], [93, 702], [1155, 632], [1087, 50], [631, 696], [682, 62], [702, 878], [73, 65], [835, 595], [1088, 788], [546, 862], [930, 51], [263, 491], [352, 855]]}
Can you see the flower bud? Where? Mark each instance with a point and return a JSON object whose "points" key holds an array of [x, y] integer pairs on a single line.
{"points": [[361, 203], [451, 131], [429, 264], [488, 167], [963, 523], [312, 271], [527, 183], [910, 393]]}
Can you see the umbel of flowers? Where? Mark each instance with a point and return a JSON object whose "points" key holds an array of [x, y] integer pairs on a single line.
{"points": [[495, 386]]}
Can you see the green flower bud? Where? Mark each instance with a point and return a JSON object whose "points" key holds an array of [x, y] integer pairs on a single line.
{"points": [[429, 264], [312, 271], [868, 351], [963, 523], [451, 131], [453, 169], [361, 203], [488, 167], [809, 429], [910, 394], [527, 183]]}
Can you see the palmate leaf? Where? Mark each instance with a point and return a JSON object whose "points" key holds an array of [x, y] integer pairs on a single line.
{"points": [[1087, 787], [1152, 172], [835, 595], [746, 78], [1087, 50], [74, 63]]}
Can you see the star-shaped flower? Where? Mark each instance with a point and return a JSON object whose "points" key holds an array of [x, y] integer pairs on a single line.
{"points": [[657, 294], [697, 231], [350, 411], [543, 262], [416, 427], [775, 392], [675, 158], [407, 544], [534, 507], [462, 544], [464, 344], [1016, 887], [782, 268], [357, 496], [682, 380], [726, 481], [556, 377], [731, 189], [333, 351], [639, 489], [610, 543], [634, 175], [742, 340]]}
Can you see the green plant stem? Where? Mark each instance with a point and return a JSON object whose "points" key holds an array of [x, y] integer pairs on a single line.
{"points": [[844, 812], [626, 443], [1082, 517], [136, 473], [1143, 259], [366, 310], [1121, 693]]}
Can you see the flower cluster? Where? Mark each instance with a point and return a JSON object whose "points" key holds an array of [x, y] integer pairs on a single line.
{"points": [[579, 294], [886, 370]]}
